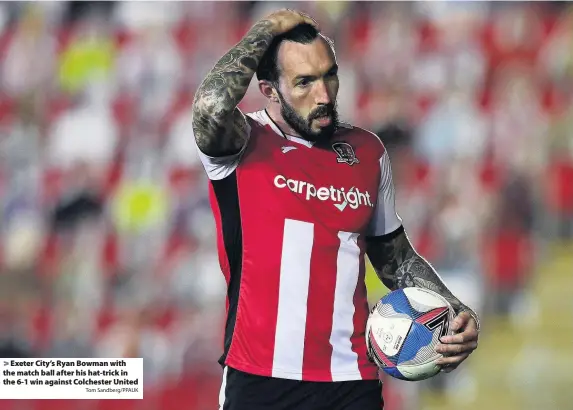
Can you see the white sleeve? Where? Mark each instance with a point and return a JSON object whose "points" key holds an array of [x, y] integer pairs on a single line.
{"points": [[221, 167], [385, 218]]}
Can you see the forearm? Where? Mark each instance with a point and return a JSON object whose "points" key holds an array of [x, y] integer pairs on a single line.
{"points": [[399, 266], [227, 82]]}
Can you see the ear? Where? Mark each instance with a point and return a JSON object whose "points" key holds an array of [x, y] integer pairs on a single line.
{"points": [[268, 90]]}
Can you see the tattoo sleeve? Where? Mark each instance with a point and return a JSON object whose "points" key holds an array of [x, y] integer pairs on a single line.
{"points": [[399, 266], [219, 126]]}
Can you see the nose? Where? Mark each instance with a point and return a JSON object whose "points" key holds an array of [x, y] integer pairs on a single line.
{"points": [[321, 94]]}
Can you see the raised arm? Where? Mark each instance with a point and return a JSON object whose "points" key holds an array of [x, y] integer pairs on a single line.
{"points": [[219, 127]]}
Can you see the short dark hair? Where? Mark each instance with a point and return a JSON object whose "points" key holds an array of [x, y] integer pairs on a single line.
{"points": [[305, 33]]}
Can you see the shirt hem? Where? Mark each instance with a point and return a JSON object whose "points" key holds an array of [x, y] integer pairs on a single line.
{"points": [[310, 376]]}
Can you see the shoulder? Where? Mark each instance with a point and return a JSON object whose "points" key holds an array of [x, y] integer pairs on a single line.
{"points": [[361, 138], [257, 118]]}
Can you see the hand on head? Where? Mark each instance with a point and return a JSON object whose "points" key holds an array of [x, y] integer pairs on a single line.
{"points": [[287, 19]]}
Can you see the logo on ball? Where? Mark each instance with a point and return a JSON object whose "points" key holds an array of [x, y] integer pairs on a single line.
{"points": [[435, 319]]}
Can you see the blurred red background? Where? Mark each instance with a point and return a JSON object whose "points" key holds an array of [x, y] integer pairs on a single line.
{"points": [[107, 245]]}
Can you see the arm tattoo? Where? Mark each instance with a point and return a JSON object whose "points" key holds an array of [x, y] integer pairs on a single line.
{"points": [[399, 266], [219, 127]]}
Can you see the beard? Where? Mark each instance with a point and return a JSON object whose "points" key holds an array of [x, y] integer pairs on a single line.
{"points": [[303, 126]]}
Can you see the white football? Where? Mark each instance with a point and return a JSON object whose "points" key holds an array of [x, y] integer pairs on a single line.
{"points": [[403, 329]]}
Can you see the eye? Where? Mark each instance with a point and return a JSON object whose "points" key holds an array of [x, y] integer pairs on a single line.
{"points": [[303, 82]]}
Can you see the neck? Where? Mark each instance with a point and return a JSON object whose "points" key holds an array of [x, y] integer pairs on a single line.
{"points": [[274, 111]]}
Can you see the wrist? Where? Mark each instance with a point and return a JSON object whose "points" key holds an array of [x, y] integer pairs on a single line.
{"points": [[473, 314], [267, 26]]}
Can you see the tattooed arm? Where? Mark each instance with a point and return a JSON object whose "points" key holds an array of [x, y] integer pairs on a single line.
{"points": [[390, 251], [399, 266], [219, 127]]}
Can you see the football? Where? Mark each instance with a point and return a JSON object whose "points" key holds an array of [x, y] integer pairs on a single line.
{"points": [[403, 329]]}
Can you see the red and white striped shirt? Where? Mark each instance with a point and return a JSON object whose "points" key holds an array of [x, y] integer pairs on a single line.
{"points": [[292, 219]]}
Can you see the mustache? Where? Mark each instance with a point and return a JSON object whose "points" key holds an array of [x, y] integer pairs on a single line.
{"points": [[322, 111]]}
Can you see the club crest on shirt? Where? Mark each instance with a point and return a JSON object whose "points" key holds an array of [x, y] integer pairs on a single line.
{"points": [[345, 153]]}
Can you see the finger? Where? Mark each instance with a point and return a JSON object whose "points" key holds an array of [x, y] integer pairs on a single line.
{"points": [[309, 20], [456, 348], [452, 360], [471, 324], [466, 336], [460, 321], [305, 18], [448, 369], [451, 350]]}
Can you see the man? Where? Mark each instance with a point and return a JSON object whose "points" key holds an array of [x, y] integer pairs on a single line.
{"points": [[298, 199]]}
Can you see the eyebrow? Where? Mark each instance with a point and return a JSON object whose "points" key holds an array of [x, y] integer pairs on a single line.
{"points": [[334, 67]]}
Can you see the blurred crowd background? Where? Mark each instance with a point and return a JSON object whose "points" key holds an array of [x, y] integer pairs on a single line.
{"points": [[107, 241]]}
